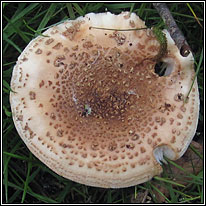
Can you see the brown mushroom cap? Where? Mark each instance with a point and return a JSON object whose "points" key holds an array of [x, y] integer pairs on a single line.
{"points": [[89, 104]]}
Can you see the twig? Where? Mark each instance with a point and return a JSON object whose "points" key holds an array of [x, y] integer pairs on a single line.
{"points": [[145, 196], [173, 29]]}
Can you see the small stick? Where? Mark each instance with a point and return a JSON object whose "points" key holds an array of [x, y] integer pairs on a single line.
{"points": [[173, 29]]}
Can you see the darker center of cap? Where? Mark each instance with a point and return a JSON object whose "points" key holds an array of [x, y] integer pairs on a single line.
{"points": [[103, 104], [112, 86]]}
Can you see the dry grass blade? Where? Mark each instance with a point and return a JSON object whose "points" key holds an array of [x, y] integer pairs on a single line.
{"points": [[195, 16]]}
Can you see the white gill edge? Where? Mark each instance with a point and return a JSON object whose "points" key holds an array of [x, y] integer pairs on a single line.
{"points": [[162, 151]]}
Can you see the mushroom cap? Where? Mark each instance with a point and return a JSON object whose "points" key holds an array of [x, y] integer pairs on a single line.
{"points": [[88, 103]]}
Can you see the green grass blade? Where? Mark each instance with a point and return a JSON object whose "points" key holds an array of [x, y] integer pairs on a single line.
{"points": [[141, 10], [24, 12], [5, 179], [30, 28], [18, 157], [34, 174], [7, 64], [109, 196], [173, 196], [185, 15], [196, 151], [5, 37], [70, 11], [135, 192], [78, 9], [4, 4], [15, 176], [93, 7], [37, 196], [189, 199], [195, 179], [194, 14], [168, 181], [7, 130], [181, 193], [64, 192], [47, 16], [196, 73], [59, 11], [8, 157], [155, 188], [79, 192], [132, 8], [16, 29], [14, 196], [6, 85], [7, 28], [27, 179], [6, 111], [33, 30], [119, 5]]}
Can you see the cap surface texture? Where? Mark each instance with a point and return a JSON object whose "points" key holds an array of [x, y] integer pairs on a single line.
{"points": [[88, 103]]}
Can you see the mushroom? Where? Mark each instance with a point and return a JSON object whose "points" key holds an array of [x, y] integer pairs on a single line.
{"points": [[88, 103]]}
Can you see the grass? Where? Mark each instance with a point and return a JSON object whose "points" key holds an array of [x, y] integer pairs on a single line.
{"points": [[25, 178]]}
